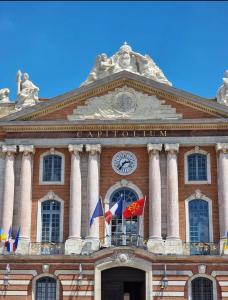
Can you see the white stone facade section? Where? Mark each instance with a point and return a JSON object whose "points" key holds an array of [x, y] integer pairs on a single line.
{"points": [[26, 191], [124, 103], [222, 93], [222, 149], [9, 183], [126, 59], [93, 187], [2, 173], [154, 191], [173, 198]]}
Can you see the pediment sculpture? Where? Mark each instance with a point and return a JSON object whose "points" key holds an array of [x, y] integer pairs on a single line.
{"points": [[4, 95], [222, 93], [126, 59], [27, 91], [124, 103]]}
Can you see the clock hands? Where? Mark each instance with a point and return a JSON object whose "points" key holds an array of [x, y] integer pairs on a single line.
{"points": [[124, 163]]}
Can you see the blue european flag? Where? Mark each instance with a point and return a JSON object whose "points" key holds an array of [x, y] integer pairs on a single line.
{"points": [[98, 212]]}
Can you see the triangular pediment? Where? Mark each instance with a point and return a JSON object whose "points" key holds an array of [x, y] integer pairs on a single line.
{"points": [[124, 104], [104, 99]]}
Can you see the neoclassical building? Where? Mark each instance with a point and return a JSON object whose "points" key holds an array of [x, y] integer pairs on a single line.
{"points": [[125, 132]]}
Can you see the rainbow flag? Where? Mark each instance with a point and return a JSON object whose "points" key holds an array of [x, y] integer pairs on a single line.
{"points": [[2, 235]]}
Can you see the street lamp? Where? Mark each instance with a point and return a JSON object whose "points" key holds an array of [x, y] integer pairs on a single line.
{"points": [[6, 276], [164, 281]]}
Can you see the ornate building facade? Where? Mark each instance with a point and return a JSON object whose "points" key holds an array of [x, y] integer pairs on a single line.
{"points": [[126, 132]]}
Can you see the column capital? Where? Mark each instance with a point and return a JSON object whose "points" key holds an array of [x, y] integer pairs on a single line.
{"points": [[75, 149], [9, 149], [172, 148], [223, 147], [93, 149], [154, 148], [27, 149]]}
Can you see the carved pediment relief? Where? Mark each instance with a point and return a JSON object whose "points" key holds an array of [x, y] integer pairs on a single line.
{"points": [[124, 103]]}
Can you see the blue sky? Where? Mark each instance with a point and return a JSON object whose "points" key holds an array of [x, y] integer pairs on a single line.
{"points": [[57, 42]]}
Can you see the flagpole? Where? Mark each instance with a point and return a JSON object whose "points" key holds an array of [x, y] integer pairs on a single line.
{"points": [[141, 221]]}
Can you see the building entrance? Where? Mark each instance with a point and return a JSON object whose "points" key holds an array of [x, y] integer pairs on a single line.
{"points": [[123, 283]]}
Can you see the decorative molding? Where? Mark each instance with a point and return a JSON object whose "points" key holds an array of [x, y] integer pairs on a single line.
{"points": [[26, 149], [93, 149], [9, 149], [172, 148], [154, 148], [75, 149], [222, 147], [201, 269]]}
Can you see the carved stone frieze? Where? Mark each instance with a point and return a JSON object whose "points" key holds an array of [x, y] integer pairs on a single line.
{"points": [[124, 103]]}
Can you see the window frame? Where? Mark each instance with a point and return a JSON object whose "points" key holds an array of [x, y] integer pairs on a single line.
{"points": [[205, 276], [49, 196], [41, 170], [208, 159], [199, 196], [35, 279]]}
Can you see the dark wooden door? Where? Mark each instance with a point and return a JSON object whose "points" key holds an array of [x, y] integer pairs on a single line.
{"points": [[112, 291], [117, 281]]}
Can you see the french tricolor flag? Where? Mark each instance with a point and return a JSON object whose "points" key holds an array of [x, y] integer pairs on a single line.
{"points": [[115, 211]]}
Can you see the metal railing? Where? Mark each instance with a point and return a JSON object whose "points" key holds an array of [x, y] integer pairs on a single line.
{"points": [[200, 248], [132, 240], [47, 249]]}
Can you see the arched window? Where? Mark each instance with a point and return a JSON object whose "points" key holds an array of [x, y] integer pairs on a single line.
{"points": [[198, 225], [124, 231], [46, 288], [50, 217], [202, 289], [197, 167], [52, 168]]}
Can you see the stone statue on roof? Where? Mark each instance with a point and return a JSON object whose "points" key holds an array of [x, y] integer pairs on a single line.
{"points": [[4, 95], [222, 93], [27, 92], [125, 59]]}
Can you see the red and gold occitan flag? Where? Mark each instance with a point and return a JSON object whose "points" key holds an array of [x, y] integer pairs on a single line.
{"points": [[134, 209]]}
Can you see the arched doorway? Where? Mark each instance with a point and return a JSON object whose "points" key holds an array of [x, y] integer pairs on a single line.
{"points": [[123, 283]]}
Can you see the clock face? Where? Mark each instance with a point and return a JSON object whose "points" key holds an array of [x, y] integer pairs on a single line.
{"points": [[124, 162]]}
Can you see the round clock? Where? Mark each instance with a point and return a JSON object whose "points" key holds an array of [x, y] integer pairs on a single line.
{"points": [[124, 162]]}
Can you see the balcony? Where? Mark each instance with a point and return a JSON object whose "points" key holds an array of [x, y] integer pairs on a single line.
{"points": [[200, 248], [47, 249]]}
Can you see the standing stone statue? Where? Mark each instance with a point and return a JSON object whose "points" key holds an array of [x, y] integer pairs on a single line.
{"points": [[27, 92], [222, 93], [4, 95]]}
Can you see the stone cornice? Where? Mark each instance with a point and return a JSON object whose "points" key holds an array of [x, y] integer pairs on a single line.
{"points": [[102, 86], [97, 127]]}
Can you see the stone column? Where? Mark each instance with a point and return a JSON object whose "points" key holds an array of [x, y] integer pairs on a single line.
{"points": [[74, 242], [93, 191], [173, 236], [25, 196], [8, 191], [222, 150], [155, 240]]}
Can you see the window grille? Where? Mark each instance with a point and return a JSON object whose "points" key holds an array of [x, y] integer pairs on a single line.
{"points": [[50, 213], [197, 167], [202, 289], [46, 288], [52, 168]]}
